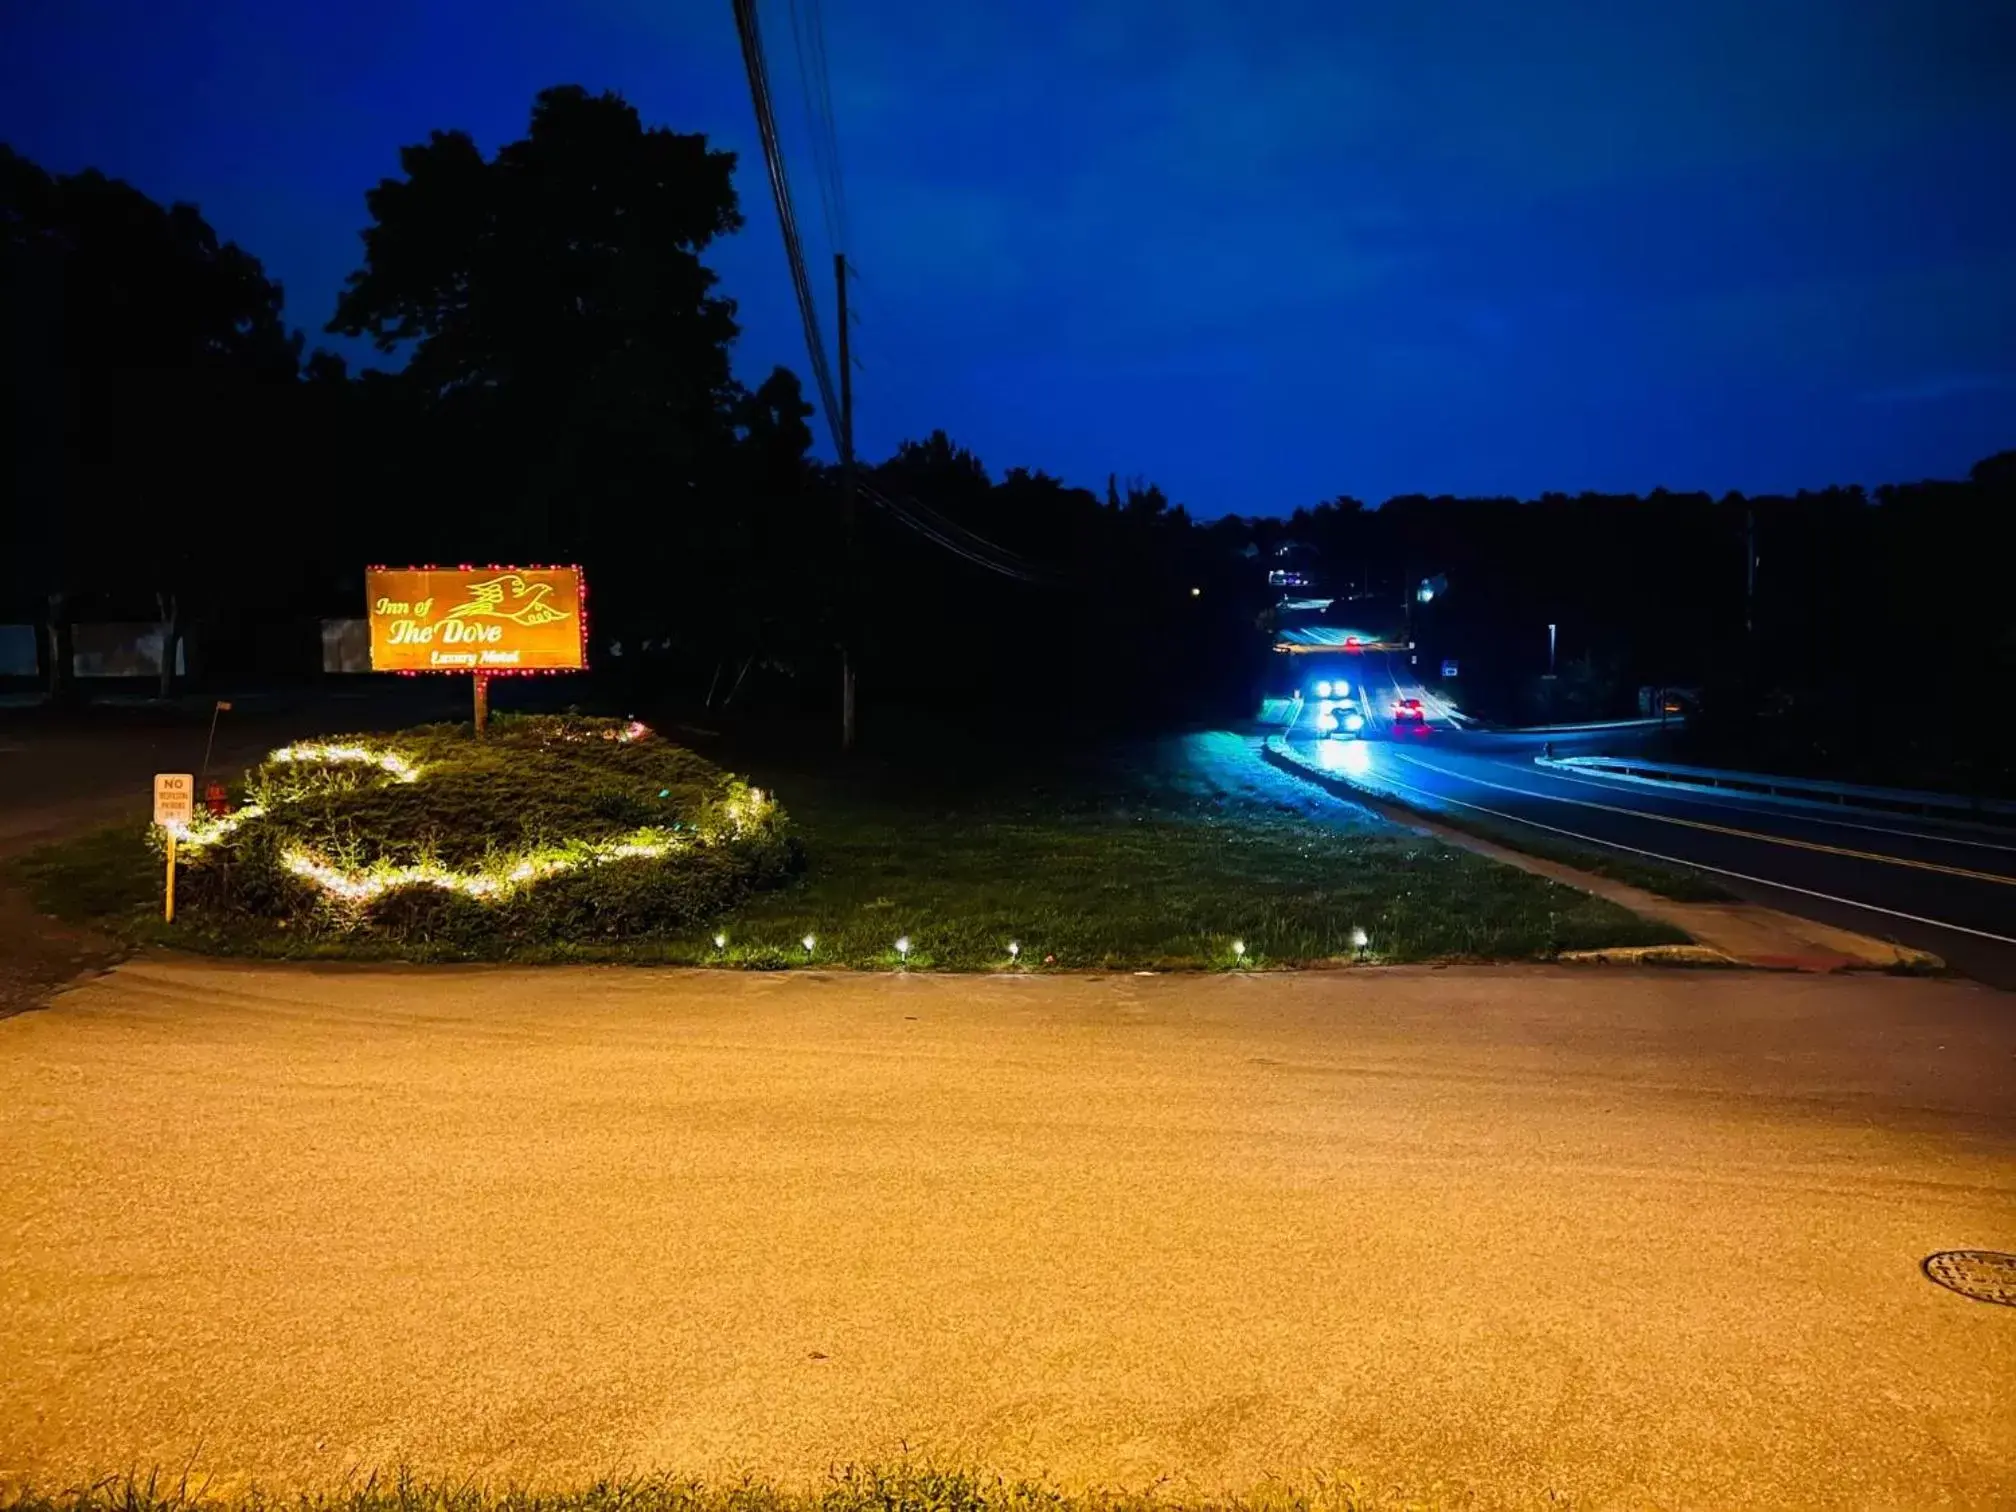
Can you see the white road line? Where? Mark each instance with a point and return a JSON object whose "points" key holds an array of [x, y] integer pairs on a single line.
{"points": [[1763, 837], [1694, 795], [1720, 871]]}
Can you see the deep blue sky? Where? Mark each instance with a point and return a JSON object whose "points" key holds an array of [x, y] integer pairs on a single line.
{"points": [[1262, 253]]}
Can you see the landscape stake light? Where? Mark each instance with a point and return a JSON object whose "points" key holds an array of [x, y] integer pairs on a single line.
{"points": [[903, 947], [1359, 941], [1014, 950], [808, 942], [1239, 949], [720, 942]]}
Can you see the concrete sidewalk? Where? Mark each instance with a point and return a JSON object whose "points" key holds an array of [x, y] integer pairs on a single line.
{"points": [[1623, 1237]]}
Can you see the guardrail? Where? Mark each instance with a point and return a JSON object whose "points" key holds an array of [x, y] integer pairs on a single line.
{"points": [[1803, 790]]}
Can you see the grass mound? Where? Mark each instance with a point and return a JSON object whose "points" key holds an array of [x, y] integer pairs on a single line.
{"points": [[549, 829]]}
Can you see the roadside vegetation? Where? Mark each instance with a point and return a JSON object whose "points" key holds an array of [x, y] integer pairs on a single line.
{"points": [[897, 1488], [1154, 859]]}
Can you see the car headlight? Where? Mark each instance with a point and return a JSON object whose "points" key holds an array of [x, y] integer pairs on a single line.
{"points": [[1326, 722], [1322, 690], [1340, 687], [1354, 722]]}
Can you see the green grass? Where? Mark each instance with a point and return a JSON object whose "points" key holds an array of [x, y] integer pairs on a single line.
{"points": [[898, 1488], [1158, 859], [1153, 887], [105, 877]]}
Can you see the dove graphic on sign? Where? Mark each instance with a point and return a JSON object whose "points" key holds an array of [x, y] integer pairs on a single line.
{"points": [[509, 597]]}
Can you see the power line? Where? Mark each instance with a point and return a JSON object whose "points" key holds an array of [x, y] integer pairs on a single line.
{"points": [[817, 27], [958, 540], [825, 167], [780, 189], [948, 543], [946, 526], [924, 521]]}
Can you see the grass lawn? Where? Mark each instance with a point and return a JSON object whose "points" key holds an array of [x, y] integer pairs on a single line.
{"points": [[898, 1488], [1161, 856]]}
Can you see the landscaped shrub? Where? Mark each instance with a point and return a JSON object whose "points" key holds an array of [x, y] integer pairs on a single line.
{"points": [[549, 829]]}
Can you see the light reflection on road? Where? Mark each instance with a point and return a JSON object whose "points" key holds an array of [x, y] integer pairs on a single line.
{"points": [[1353, 758]]}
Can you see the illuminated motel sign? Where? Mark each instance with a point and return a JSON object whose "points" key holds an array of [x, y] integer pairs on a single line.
{"points": [[499, 620], [483, 621]]}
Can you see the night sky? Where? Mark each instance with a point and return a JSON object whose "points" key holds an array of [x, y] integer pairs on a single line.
{"points": [[1262, 253]]}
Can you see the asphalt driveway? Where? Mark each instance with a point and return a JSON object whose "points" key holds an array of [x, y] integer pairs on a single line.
{"points": [[1630, 1237]]}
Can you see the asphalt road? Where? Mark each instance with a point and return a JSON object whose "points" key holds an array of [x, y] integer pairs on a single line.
{"points": [[1626, 1238], [1949, 888], [65, 770]]}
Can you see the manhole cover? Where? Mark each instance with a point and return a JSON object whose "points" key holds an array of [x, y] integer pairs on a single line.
{"points": [[1984, 1275]]}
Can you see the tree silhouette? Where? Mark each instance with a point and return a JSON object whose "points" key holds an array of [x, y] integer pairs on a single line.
{"points": [[158, 355], [564, 334]]}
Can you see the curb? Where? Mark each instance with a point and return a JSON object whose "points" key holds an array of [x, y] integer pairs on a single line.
{"points": [[1652, 955]]}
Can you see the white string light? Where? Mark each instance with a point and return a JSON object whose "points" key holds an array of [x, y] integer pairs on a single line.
{"points": [[361, 886], [208, 831], [744, 808], [390, 761]]}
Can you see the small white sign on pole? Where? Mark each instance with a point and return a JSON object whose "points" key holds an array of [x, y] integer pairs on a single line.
{"points": [[174, 799], [174, 807]]}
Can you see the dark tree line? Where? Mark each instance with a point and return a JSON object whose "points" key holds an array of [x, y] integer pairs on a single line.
{"points": [[1873, 636], [563, 391], [148, 372]]}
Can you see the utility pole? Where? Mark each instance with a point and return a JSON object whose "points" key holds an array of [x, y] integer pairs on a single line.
{"points": [[850, 597]]}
